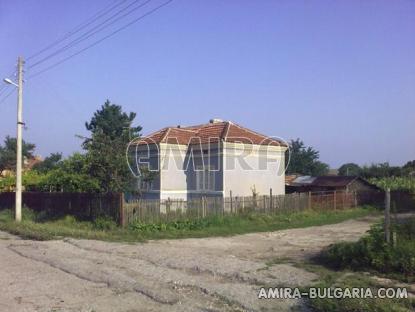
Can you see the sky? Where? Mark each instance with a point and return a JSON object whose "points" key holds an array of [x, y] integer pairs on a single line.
{"points": [[340, 75]]}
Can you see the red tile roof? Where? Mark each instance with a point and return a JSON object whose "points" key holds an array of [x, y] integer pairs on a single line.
{"points": [[212, 132]]}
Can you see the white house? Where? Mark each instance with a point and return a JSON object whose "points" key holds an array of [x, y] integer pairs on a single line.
{"points": [[212, 159]]}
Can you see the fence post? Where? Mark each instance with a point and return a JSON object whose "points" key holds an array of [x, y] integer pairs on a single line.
{"points": [[335, 199], [309, 200], [387, 215], [270, 199], [230, 194], [121, 209]]}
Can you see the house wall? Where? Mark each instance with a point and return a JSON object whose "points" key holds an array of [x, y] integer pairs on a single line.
{"points": [[178, 166], [248, 167], [236, 167], [147, 154]]}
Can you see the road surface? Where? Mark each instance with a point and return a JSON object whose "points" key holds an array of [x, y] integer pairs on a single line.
{"points": [[207, 274]]}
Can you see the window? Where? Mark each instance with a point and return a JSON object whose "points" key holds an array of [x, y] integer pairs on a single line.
{"points": [[146, 185], [205, 179]]}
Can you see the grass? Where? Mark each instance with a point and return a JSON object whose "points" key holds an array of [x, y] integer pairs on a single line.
{"points": [[372, 253], [36, 227], [353, 280]]}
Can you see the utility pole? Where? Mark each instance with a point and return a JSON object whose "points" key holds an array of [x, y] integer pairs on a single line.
{"points": [[19, 143]]}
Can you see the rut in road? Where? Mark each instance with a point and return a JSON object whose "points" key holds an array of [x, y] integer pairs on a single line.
{"points": [[164, 281]]}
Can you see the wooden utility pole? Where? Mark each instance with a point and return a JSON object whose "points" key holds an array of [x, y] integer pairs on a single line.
{"points": [[387, 215]]}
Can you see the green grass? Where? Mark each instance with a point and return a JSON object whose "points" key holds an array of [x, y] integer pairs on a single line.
{"points": [[351, 280], [372, 253], [35, 227]]}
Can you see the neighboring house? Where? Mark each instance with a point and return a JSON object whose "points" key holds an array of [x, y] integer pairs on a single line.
{"points": [[329, 183], [212, 159]]}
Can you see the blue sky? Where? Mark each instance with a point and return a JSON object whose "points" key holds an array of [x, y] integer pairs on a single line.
{"points": [[340, 75]]}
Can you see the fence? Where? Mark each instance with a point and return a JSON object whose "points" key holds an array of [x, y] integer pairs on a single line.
{"points": [[90, 206], [84, 206], [153, 211]]}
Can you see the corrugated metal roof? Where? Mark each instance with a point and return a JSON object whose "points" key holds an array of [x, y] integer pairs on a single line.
{"points": [[308, 180]]}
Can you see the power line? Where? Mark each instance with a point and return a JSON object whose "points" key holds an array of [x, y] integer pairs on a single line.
{"points": [[4, 87], [102, 39], [80, 27], [8, 94], [93, 31]]}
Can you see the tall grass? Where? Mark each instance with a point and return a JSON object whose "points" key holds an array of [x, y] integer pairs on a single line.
{"points": [[34, 226]]}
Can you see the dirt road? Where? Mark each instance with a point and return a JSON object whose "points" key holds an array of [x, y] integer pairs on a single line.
{"points": [[209, 274]]}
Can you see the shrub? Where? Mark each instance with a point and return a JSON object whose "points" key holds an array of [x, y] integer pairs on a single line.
{"points": [[104, 224], [372, 252]]}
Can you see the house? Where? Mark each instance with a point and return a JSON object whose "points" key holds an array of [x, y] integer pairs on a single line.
{"points": [[329, 183], [218, 158]]}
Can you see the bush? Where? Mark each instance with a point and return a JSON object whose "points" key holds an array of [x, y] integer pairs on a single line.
{"points": [[371, 252], [104, 224]]}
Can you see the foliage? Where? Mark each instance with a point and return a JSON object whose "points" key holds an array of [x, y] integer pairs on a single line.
{"points": [[111, 131], [350, 169], [38, 226], [59, 180], [49, 163], [349, 281], [69, 175], [8, 153], [381, 170], [409, 168], [305, 160], [373, 253], [395, 183]]}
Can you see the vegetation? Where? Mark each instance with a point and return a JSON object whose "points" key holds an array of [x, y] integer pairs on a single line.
{"points": [[8, 153], [35, 226], [69, 175], [378, 171], [343, 280], [304, 160], [350, 169], [395, 183], [103, 168], [111, 131], [373, 253]]}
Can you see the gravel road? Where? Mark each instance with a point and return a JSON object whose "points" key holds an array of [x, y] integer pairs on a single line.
{"points": [[208, 274]]}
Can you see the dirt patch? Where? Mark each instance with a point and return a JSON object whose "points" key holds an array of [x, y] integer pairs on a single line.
{"points": [[209, 274]]}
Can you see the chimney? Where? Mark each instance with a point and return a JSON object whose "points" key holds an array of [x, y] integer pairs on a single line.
{"points": [[215, 120]]}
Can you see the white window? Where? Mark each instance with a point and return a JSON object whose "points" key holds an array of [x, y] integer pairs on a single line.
{"points": [[146, 185], [205, 179]]}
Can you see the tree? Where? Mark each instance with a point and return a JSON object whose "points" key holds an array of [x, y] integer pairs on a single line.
{"points": [[409, 168], [305, 160], [111, 131], [350, 169], [381, 170], [49, 163], [8, 153]]}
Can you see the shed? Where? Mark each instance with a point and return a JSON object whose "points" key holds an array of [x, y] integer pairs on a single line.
{"points": [[329, 183]]}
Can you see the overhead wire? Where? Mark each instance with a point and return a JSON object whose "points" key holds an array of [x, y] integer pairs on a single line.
{"points": [[102, 39]]}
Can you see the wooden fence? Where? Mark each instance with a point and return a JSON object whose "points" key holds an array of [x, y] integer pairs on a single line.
{"points": [[154, 211], [90, 206], [85, 206]]}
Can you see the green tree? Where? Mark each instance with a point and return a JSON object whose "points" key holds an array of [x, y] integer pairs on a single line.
{"points": [[8, 153], [51, 162], [381, 170], [305, 160], [409, 168], [350, 169], [111, 131]]}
